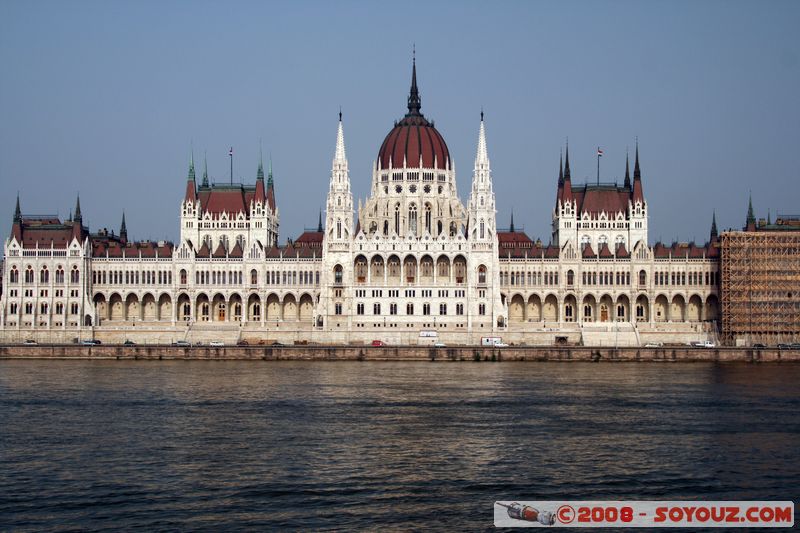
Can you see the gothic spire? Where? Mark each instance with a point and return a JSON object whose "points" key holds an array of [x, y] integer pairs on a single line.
{"points": [[340, 157], [751, 218], [123, 228], [269, 176], [17, 212], [414, 101], [714, 233], [205, 171], [511, 229], [566, 164], [627, 183], [77, 217], [637, 174], [260, 172], [319, 224], [482, 157], [191, 167], [560, 169]]}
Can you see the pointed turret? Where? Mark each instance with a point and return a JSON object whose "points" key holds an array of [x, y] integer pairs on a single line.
{"points": [[566, 195], [714, 234], [414, 100], [270, 188], [319, 224], [260, 194], [339, 206], [191, 185], [482, 156], [750, 223], [123, 230], [77, 217], [17, 212], [560, 169], [627, 183], [511, 228], [482, 218], [638, 194], [204, 183]]}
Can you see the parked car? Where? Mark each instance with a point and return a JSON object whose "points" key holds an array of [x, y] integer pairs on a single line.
{"points": [[90, 342], [129, 343], [795, 346], [277, 343], [30, 342], [216, 344], [759, 345], [654, 345], [242, 343], [706, 344], [378, 343], [181, 343], [784, 346], [500, 345], [439, 345]]}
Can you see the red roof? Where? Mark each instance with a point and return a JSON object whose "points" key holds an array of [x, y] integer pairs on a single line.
{"points": [[45, 232], [588, 252], [410, 137], [231, 199], [310, 239], [605, 253], [596, 199]]}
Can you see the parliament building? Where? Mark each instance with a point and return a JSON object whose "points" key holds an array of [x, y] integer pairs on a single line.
{"points": [[411, 264]]}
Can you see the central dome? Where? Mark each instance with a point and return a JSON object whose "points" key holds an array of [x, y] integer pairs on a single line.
{"points": [[414, 138]]}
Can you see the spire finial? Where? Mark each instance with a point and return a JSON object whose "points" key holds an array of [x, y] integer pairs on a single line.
{"points": [[714, 224], [17, 212], [566, 163], [260, 172], [511, 229], [191, 164], [123, 228], [627, 171], [481, 113], [205, 170], [751, 218], [77, 216], [340, 112], [637, 174], [482, 158], [269, 178], [340, 156], [414, 101], [319, 224], [560, 167]]}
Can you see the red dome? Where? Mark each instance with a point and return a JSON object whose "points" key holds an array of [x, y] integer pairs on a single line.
{"points": [[413, 137]]}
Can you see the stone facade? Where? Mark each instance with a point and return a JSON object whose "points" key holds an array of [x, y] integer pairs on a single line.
{"points": [[417, 267]]}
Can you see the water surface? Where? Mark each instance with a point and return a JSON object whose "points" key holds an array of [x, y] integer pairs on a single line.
{"points": [[204, 445]]}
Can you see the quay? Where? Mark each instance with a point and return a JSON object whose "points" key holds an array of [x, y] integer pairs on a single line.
{"points": [[666, 354]]}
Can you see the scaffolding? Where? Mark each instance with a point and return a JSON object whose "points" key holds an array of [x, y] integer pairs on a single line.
{"points": [[760, 287]]}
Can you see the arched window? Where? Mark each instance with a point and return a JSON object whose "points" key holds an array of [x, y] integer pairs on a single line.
{"points": [[397, 219], [44, 275], [240, 240], [412, 218], [602, 239], [29, 274], [183, 277], [483, 229], [338, 228], [642, 277], [481, 274], [585, 240], [13, 276], [254, 277], [428, 218], [224, 242], [337, 274], [74, 275], [570, 277]]}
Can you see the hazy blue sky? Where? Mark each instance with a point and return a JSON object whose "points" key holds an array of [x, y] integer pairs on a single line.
{"points": [[106, 97]]}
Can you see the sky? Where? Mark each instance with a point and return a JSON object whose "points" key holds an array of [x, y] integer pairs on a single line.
{"points": [[108, 99]]}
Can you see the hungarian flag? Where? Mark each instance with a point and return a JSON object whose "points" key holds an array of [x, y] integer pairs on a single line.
{"points": [[230, 152], [599, 152]]}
